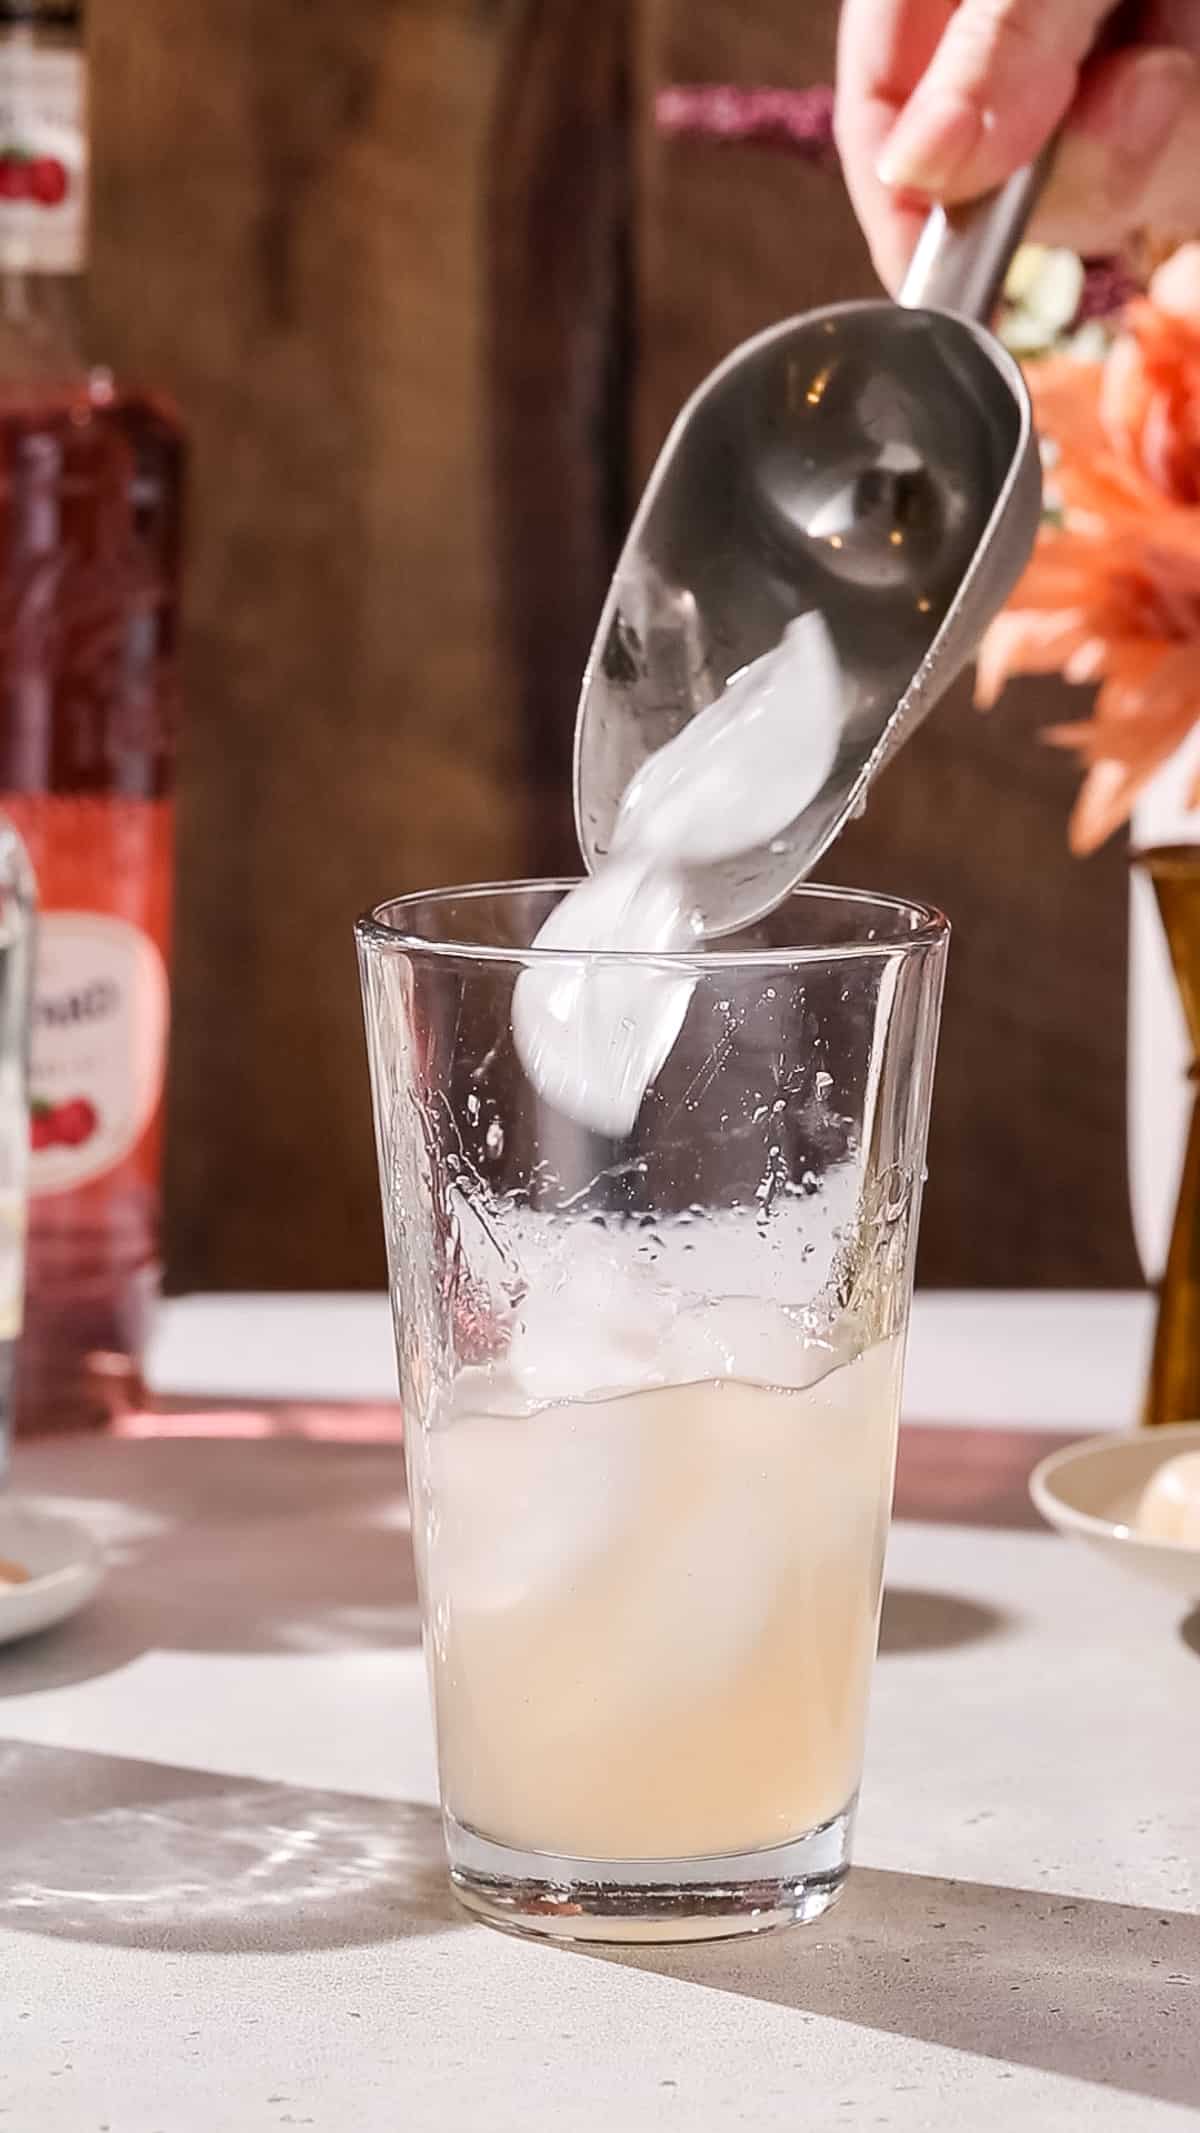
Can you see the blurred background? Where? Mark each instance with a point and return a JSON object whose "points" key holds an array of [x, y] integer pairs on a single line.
{"points": [[429, 288]]}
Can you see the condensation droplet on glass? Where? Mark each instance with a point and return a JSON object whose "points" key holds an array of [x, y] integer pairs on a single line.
{"points": [[473, 1107], [493, 1139], [823, 1082]]}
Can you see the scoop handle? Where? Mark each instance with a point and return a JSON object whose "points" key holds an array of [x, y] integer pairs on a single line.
{"points": [[964, 253]]}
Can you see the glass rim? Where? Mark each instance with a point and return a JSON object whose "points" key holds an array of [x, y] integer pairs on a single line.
{"points": [[930, 930]]}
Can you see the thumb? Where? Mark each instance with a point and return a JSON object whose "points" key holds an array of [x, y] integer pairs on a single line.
{"points": [[1003, 76], [1130, 155]]}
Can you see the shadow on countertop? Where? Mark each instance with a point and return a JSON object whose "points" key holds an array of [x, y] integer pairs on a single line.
{"points": [[1103, 1992], [223, 1546], [914, 1620], [132, 1854]]}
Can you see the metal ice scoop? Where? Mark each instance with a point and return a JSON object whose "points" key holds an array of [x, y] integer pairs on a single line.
{"points": [[874, 461]]}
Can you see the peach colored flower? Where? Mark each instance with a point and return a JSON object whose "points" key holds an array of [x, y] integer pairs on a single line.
{"points": [[1112, 594]]}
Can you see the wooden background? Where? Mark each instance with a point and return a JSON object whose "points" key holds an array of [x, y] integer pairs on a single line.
{"points": [[377, 247]]}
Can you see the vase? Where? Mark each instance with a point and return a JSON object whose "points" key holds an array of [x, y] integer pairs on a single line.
{"points": [[1159, 1093], [1173, 1391]]}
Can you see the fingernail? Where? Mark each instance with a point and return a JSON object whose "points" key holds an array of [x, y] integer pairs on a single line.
{"points": [[1152, 101], [930, 141]]}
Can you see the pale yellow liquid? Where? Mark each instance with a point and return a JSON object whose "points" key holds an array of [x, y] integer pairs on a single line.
{"points": [[652, 1618]]}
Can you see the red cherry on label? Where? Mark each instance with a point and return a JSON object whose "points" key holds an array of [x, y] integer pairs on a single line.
{"points": [[75, 1122], [42, 1130], [12, 178], [47, 181]]}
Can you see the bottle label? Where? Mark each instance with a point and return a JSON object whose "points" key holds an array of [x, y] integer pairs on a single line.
{"points": [[99, 1046], [14, 1171], [43, 159]]}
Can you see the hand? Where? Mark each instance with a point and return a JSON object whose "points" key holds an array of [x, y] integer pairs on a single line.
{"points": [[941, 102]]}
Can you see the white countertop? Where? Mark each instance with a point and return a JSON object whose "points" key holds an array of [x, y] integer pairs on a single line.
{"points": [[1040, 1361], [222, 1904]]}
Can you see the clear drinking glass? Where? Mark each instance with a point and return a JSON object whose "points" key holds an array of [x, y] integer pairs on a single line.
{"points": [[650, 1392]]}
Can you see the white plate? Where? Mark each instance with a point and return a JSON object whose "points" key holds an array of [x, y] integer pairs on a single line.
{"points": [[1092, 1490], [64, 1564]]}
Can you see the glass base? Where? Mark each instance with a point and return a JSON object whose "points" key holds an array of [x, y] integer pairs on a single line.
{"points": [[717, 1898]]}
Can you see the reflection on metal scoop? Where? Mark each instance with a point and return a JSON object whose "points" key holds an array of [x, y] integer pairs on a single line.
{"points": [[873, 461]]}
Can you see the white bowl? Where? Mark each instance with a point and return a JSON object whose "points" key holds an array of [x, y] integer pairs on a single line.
{"points": [[64, 1564], [1092, 1490]]}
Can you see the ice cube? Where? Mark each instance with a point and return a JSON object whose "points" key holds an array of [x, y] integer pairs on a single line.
{"points": [[594, 1323], [592, 1035], [744, 1337], [740, 773], [694, 1593], [523, 1502]]}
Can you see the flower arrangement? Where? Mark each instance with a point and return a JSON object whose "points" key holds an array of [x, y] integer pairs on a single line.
{"points": [[1112, 595], [1111, 598]]}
